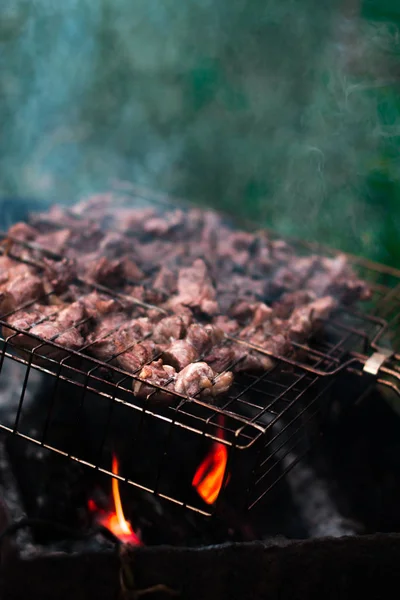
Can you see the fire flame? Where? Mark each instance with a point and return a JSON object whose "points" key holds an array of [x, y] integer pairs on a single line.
{"points": [[115, 520], [210, 474]]}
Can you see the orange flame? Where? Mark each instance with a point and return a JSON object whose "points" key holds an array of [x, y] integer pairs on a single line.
{"points": [[115, 521], [209, 476]]}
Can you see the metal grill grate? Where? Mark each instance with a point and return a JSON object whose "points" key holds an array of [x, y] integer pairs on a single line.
{"points": [[267, 419]]}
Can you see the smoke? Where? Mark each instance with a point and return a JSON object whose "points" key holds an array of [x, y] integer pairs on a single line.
{"points": [[275, 110]]}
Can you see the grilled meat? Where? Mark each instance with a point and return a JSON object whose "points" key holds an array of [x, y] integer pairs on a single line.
{"points": [[170, 328], [199, 379], [137, 356], [180, 354], [155, 374], [221, 358], [238, 284], [166, 280], [195, 289], [113, 273]]}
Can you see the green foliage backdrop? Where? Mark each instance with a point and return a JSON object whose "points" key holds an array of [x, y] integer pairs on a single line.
{"points": [[286, 111]]}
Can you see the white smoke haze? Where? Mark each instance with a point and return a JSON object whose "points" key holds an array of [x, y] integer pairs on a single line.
{"points": [[272, 107]]}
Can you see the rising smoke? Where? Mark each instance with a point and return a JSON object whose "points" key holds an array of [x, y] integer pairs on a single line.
{"points": [[272, 108]]}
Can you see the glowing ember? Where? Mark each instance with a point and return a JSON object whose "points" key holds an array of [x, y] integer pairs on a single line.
{"points": [[115, 521], [209, 476]]}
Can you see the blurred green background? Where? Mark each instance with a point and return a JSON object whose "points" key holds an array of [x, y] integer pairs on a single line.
{"points": [[285, 111]]}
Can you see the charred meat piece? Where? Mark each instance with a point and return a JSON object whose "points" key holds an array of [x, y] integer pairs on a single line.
{"points": [[155, 374], [53, 331], [113, 273], [41, 321], [164, 224], [61, 327], [98, 305], [149, 253], [199, 340], [135, 358], [335, 277], [254, 312], [195, 289], [55, 241], [22, 319], [294, 275], [143, 294], [204, 337], [25, 288], [133, 220], [292, 300], [109, 324], [248, 360], [165, 280], [221, 358], [227, 325], [101, 341], [222, 384], [10, 269], [303, 319], [180, 354], [114, 245], [199, 379], [169, 329], [60, 274], [72, 315], [235, 245], [280, 250], [134, 331], [22, 231]]}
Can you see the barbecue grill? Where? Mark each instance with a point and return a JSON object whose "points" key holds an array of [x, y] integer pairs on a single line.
{"points": [[266, 422]]}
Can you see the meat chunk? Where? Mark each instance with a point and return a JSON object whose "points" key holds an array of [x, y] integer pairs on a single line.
{"points": [[115, 244], [53, 331], [292, 300], [248, 360], [60, 274], [170, 328], [180, 354], [71, 315], [303, 319], [113, 273], [336, 278], [98, 305], [22, 231], [222, 384], [135, 358], [133, 220], [164, 224], [221, 358], [101, 343], [134, 331], [155, 374], [165, 280], [227, 325], [55, 241], [204, 337], [254, 312], [195, 289], [199, 379], [25, 288]]}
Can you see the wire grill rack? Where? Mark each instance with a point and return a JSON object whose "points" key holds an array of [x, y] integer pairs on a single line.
{"points": [[265, 421]]}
